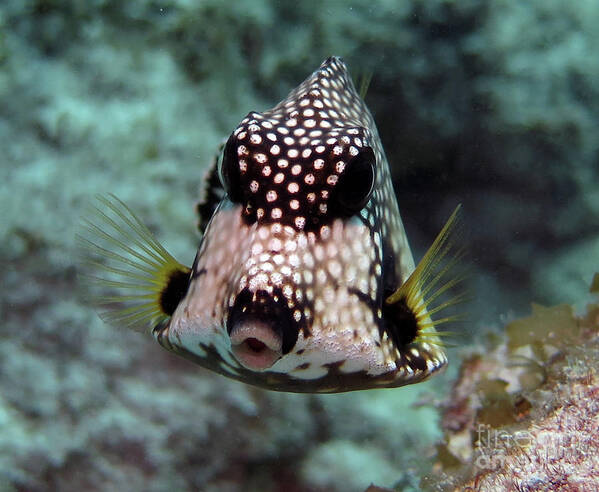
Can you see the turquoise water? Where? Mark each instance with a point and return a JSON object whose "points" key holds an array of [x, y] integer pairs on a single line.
{"points": [[488, 104]]}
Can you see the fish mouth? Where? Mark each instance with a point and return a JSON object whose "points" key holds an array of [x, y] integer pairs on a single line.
{"points": [[261, 329], [255, 343]]}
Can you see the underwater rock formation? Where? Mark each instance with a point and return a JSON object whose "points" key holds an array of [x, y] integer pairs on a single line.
{"points": [[524, 415]]}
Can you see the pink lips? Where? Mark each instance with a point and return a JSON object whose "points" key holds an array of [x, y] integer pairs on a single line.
{"points": [[255, 344]]}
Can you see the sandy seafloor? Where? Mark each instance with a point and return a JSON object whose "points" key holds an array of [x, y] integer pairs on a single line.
{"points": [[490, 104]]}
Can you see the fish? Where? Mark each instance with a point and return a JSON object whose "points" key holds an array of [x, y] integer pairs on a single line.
{"points": [[304, 280]]}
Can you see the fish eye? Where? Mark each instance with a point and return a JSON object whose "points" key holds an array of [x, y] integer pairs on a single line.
{"points": [[355, 185], [230, 172]]}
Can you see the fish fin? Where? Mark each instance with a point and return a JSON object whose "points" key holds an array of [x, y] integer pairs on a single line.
{"points": [[212, 191], [363, 83], [138, 284], [433, 277]]}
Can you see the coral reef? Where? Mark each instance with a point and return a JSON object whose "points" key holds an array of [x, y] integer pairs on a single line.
{"points": [[525, 415]]}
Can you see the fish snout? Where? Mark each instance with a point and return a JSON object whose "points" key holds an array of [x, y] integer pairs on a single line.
{"points": [[255, 343], [261, 328]]}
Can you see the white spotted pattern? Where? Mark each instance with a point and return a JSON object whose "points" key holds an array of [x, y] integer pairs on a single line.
{"points": [[279, 237]]}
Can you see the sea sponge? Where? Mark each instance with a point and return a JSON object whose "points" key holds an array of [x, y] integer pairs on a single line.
{"points": [[525, 415]]}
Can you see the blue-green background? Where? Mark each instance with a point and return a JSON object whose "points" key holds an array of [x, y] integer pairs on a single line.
{"points": [[493, 104]]}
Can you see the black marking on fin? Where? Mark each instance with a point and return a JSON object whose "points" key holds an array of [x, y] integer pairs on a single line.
{"points": [[174, 291], [400, 322]]}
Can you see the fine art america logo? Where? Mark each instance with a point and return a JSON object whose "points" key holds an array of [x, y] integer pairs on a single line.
{"points": [[493, 445]]}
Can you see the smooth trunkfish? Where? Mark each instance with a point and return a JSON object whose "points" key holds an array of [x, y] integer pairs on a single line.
{"points": [[304, 280]]}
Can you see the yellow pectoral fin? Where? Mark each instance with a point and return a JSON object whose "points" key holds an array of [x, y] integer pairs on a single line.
{"points": [[140, 283], [432, 277]]}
